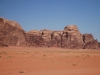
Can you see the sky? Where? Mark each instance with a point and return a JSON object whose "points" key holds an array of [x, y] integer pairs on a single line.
{"points": [[54, 14]]}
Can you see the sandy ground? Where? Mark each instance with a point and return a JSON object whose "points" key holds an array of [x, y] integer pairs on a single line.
{"points": [[48, 61]]}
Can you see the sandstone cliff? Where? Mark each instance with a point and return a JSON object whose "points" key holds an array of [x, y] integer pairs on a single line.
{"points": [[12, 34], [72, 38]]}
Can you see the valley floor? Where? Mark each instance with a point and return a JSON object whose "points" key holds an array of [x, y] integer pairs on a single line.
{"points": [[48, 61]]}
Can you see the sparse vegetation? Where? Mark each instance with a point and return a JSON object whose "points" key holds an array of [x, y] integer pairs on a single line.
{"points": [[21, 71], [75, 64], [27, 52], [61, 59], [4, 52], [9, 57], [44, 55]]}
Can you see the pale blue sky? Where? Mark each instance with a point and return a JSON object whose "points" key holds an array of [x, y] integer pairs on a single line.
{"points": [[54, 14]]}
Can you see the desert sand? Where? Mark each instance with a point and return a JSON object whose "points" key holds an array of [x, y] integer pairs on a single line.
{"points": [[48, 61]]}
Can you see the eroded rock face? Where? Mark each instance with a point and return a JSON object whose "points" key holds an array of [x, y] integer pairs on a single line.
{"points": [[90, 42], [34, 40], [11, 33], [46, 35], [88, 38], [99, 45], [91, 45], [34, 32], [56, 38], [72, 38]]}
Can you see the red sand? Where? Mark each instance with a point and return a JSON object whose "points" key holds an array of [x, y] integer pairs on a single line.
{"points": [[48, 61]]}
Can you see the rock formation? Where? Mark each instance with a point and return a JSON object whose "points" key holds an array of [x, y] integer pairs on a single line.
{"points": [[90, 42], [99, 45], [91, 45], [56, 38], [88, 38], [12, 34], [46, 35], [71, 37], [33, 38]]}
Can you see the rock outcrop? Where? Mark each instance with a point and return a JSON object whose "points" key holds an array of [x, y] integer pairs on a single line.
{"points": [[33, 38], [46, 35], [56, 38], [90, 42], [72, 38], [91, 45], [99, 45], [87, 38], [12, 34]]}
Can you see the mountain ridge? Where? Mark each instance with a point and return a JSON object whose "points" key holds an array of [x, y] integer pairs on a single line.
{"points": [[12, 34]]}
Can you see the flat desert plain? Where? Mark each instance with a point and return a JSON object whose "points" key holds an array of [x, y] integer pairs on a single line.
{"points": [[48, 61]]}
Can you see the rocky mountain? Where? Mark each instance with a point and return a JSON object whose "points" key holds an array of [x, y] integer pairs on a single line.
{"points": [[12, 34]]}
